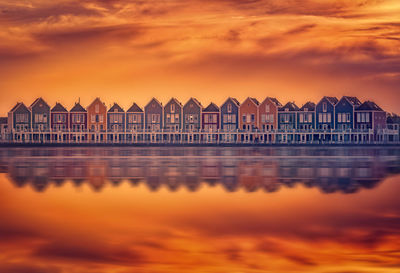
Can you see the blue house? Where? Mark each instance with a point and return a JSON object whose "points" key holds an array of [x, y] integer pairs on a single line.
{"points": [[306, 116], [230, 115], [40, 115], [287, 116], [19, 118], [153, 112], [344, 112], [116, 119], [325, 113], [134, 118]]}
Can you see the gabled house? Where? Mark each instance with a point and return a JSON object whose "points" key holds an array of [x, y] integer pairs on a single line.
{"points": [[3, 128], [230, 115], [153, 112], [248, 114], [78, 118], [135, 118], [210, 118], [325, 113], [393, 123], [306, 116], [19, 118], [192, 115], [40, 115], [268, 114], [59, 118], [116, 119], [97, 120], [344, 112], [287, 116], [369, 116], [173, 115]]}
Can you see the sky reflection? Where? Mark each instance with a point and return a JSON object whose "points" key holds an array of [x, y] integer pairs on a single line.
{"points": [[69, 227]]}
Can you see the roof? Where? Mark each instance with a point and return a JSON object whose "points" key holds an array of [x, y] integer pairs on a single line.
{"points": [[332, 100], [77, 108], [135, 108], [255, 101], [393, 118], [116, 107], [154, 99], [176, 101], [290, 105], [40, 99], [195, 101], [274, 100], [369, 106], [212, 107], [3, 120], [19, 104], [353, 100], [309, 105], [58, 108]]}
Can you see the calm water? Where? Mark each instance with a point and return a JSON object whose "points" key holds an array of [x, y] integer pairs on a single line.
{"points": [[128, 210]]}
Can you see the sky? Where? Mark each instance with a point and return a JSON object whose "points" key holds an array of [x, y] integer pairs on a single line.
{"points": [[131, 51]]}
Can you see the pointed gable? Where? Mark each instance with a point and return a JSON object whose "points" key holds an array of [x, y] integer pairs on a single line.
{"points": [[274, 100], [59, 108], [152, 101], [353, 100], [255, 101], [78, 108], [310, 106], [290, 106], [195, 101], [332, 100], [212, 107], [39, 101], [116, 108], [369, 106], [20, 106], [135, 109], [96, 100], [176, 101]]}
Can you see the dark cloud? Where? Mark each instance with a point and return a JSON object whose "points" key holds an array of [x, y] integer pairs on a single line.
{"points": [[300, 29], [27, 268]]}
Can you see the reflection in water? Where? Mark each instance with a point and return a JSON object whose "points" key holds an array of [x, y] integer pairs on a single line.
{"points": [[95, 222], [345, 170]]}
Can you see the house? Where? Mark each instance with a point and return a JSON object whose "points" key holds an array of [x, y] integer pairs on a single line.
{"points": [[59, 118], [325, 113], [40, 115], [153, 112], [3, 128], [248, 113], [78, 118], [268, 114], [393, 123], [173, 115], [134, 118], [19, 118], [344, 112], [369, 116], [306, 116], [287, 116], [116, 119], [97, 111], [192, 115], [210, 118], [230, 115]]}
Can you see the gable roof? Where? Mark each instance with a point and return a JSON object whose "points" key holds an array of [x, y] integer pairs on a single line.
{"points": [[176, 101], [332, 100], [212, 107], [153, 99], [96, 99], [253, 100], [58, 108], [393, 118], [18, 105], [116, 107], [353, 100], [135, 109], [40, 99], [195, 101], [77, 108], [290, 105], [309, 105], [274, 100], [235, 101], [369, 106]]}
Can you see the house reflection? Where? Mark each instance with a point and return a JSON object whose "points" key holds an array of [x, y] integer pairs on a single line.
{"points": [[345, 170]]}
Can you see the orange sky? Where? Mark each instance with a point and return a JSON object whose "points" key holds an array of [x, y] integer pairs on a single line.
{"points": [[125, 51]]}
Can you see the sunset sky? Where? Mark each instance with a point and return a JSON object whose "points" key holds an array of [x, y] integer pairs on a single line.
{"points": [[126, 51]]}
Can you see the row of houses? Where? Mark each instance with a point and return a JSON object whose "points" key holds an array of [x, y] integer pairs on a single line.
{"points": [[346, 114]]}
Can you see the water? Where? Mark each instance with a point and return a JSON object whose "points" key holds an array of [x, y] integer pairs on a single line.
{"points": [[242, 209]]}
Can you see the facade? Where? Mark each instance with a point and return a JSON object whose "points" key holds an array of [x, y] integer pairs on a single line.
{"points": [[192, 115], [153, 112], [393, 123], [40, 115], [116, 119], [370, 116], [344, 112], [325, 113], [3, 128], [78, 118], [248, 114], [19, 118], [134, 118], [173, 116], [268, 114], [230, 115], [97, 120], [210, 118], [306, 116], [59, 118], [287, 116]]}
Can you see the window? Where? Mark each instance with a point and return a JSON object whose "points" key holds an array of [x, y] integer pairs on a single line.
{"points": [[101, 118], [267, 108], [366, 117], [320, 117], [206, 118], [172, 108], [324, 118], [229, 108], [252, 117], [244, 118], [339, 117], [359, 117], [329, 117], [263, 117], [301, 118], [96, 108], [310, 118], [362, 117], [324, 107], [214, 118]]}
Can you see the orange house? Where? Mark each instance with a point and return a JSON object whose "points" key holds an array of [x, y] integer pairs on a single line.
{"points": [[268, 114], [97, 116], [248, 114]]}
